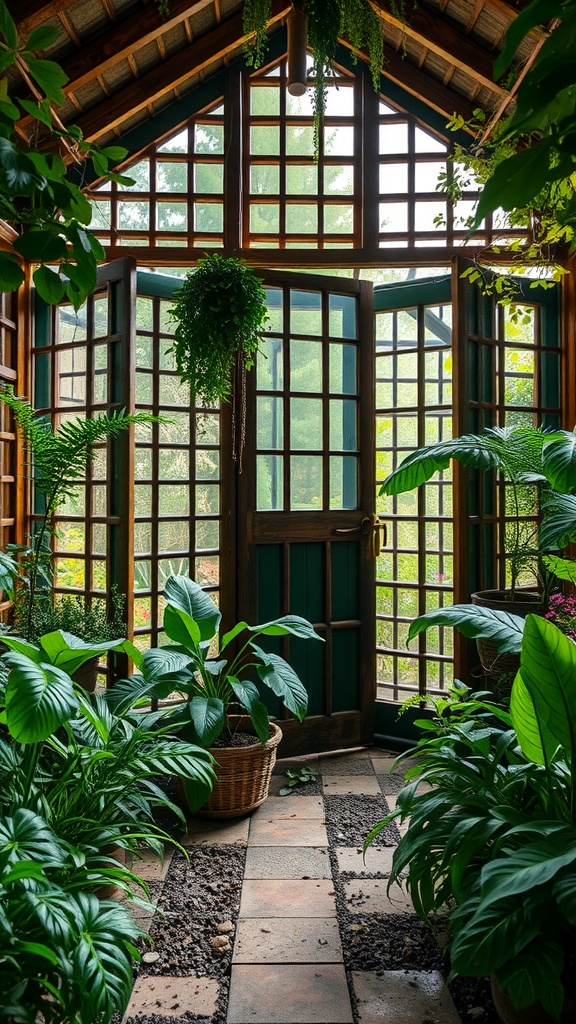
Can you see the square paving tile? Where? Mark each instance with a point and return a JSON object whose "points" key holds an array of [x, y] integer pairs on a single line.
{"points": [[269, 897], [287, 862], [289, 994], [291, 807], [403, 997], [150, 867], [267, 831], [173, 997], [202, 832], [355, 785], [370, 896], [342, 765], [269, 940], [378, 859]]}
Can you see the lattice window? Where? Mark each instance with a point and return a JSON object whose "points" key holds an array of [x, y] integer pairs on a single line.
{"points": [[177, 199]]}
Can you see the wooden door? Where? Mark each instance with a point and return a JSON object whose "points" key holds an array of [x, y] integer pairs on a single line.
{"points": [[306, 536]]}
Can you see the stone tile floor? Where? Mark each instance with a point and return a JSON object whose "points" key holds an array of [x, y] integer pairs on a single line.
{"points": [[287, 961]]}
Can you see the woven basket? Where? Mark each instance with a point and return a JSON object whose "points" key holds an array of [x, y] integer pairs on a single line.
{"points": [[502, 668], [243, 774]]}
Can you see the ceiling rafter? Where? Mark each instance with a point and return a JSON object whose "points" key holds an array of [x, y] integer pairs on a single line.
{"points": [[29, 13], [185, 64], [432, 30], [420, 84]]}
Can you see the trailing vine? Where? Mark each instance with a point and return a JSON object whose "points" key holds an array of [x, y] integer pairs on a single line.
{"points": [[327, 21]]}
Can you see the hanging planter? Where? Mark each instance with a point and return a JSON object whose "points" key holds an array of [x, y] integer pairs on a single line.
{"points": [[220, 312], [327, 21]]}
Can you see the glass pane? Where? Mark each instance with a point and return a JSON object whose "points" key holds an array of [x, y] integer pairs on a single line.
{"points": [[306, 366], [343, 425], [299, 140], [270, 365], [208, 216], [269, 422], [209, 178], [207, 499], [171, 216], [394, 138], [269, 482], [133, 216], [173, 499], [173, 464], [306, 481], [393, 178], [143, 464], [342, 316], [305, 312], [171, 177], [339, 181], [301, 180], [338, 141], [343, 481], [342, 369], [302, 219], [209, 138], [265, 179], [306, 423], [265, 100], [71, 376], [264, 140], [207, 534], [207, 464], [173, 536]]}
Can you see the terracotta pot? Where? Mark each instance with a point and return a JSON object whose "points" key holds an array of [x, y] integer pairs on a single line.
{"points": [[87, 674], [501, 668], [534, 1014], [243, 776]]}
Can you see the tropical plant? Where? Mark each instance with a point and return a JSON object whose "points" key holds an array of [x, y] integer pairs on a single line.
{"points": [[492, 842], [100, 622], [298, 777], [37, 194], [58, 460], [327, 21], [64, 956], [529, 458], [88, 771], [215, 687], [220, 312]]}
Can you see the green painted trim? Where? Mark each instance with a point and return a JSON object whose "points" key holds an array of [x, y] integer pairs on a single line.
{"points": [[159, 286], [422, 291]]}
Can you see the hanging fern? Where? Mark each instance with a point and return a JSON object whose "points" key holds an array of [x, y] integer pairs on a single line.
{"points": [[362, 26]]}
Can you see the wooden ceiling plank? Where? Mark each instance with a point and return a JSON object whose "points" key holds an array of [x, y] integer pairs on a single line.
{"points": [[29, 13], [184, 64], [433, 31], [108, 48], [423, 86]]}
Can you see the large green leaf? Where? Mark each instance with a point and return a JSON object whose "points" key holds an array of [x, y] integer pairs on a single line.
{"points": [[493, 936], [282, 679], [536, 12], [69, 652], [293, 624], [248, 696], [39, 699], [559, 462], [548, 665], [558, 526], [101, 957], [16, 643], [503, 628], [208, 716], [524, 870], [26, 836], [181, 628], [562, 568], [162, 661], [187, 596], [536, 747], [11, 273], [534, 976]]}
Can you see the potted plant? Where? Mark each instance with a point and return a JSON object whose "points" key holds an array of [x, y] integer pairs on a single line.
{"points": [[539, 469], [492, 842], [220, 312], [58, 460], [223, 709]]}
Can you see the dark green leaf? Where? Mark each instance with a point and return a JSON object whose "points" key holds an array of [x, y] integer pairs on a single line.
{"points": [[293, 624], [185, 595], [208, 717], [503, 628], [248, 696], [49, 284], [283, 681], [43, 246], [42, 37], [39, 699], [559, 462], [534, 977], [8, 28], [548, 666], [50, 77], [11, 273]]}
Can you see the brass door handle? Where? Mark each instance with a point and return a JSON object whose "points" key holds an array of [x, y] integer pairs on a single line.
{"points": [[363, 527], [379, 534]]}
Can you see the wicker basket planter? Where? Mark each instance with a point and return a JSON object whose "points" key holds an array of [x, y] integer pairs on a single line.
{"points": [[243, 776]]}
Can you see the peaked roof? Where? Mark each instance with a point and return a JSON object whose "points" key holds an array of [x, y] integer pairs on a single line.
{"points": [[126, 61]]}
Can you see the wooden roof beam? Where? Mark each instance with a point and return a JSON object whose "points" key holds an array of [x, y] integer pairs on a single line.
{"points": [[99, 54], [436, 33], [29, 13], [152, 85], [422, 85]]}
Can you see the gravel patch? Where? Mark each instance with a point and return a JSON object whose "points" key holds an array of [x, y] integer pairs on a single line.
{"points": [[350, 818], [346, 766]]}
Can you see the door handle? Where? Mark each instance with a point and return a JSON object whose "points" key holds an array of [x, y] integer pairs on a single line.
{"points": [[363, 527], [379, 534]]}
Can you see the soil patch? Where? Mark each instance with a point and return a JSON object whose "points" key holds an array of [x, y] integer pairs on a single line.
{"points": [[350, 818]]}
